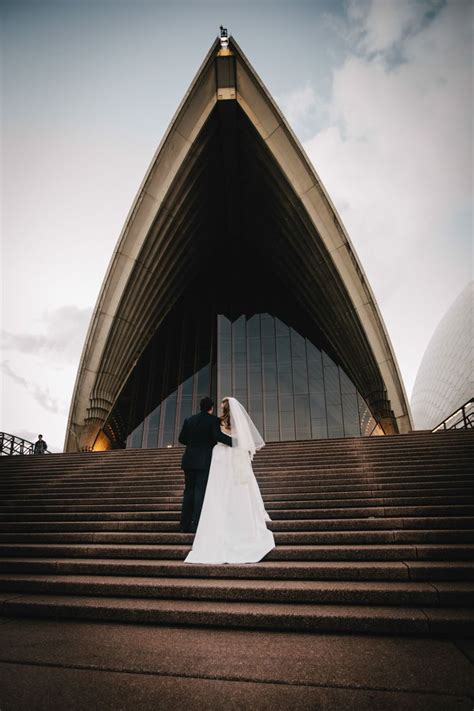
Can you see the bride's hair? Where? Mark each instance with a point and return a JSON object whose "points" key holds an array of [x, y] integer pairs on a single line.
{"points": [[225, 418]]}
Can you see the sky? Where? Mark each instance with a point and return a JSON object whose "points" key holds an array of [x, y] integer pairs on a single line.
{"points": [[379, 93]]}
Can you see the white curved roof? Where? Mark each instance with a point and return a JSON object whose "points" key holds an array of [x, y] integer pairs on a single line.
{"points": [[151, 261]]}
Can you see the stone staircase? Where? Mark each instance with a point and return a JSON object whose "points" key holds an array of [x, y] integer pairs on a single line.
{"points": [[373, 535]]}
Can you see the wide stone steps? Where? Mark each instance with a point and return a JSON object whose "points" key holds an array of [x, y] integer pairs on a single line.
{"points": [[439, 551], [157, 514], [438, 482], [303, 591], [276, 510], [357, 524], [276, 469], [439, 489], [293, 538], [313, 478], [405, 570], [372, 535], [410, 621]]}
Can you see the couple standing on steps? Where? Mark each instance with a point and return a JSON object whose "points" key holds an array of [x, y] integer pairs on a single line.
{"points": [[222, 503]]}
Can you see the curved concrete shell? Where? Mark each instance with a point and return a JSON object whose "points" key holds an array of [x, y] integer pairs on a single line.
{"points": [[445, 378], [230, 180]]}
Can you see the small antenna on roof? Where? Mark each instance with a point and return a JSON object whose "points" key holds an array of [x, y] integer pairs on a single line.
{"points": [[224, 38]]}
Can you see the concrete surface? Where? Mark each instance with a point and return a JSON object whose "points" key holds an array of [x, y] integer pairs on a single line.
{"points": [[75, 665]]}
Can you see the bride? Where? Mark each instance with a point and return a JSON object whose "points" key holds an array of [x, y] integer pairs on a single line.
{"points": [[232, 526]]}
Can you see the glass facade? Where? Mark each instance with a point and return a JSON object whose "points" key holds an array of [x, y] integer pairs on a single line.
{"points": [[292, 389], [176, 372]]}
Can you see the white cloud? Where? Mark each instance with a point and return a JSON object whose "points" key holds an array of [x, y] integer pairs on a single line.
{"points": [[386, 22], [395, 159], [302, 107], [40, 394], [38, 387], [61, 337]]}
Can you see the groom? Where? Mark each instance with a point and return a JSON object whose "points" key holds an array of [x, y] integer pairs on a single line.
{"points": [[199, 433]]}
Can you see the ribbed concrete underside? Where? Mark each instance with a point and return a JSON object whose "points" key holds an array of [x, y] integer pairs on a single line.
{"points": [[230, 192]]}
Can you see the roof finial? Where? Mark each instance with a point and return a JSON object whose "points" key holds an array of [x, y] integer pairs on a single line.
{"points": [[224, 37]]}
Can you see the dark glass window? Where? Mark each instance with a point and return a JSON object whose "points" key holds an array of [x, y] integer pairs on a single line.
{"points": [[302, 417], [318, 405], [203, 382], [255, 382], [271, 413], [240, 377], [253, 327], [287, 420], [268, 327], [254, 351], [350, 414], [269, 378], [319, 428], [283, 352], [300, 376], [153, 427], [285, 383], [225, 350], [137, 436], [291, 388]]}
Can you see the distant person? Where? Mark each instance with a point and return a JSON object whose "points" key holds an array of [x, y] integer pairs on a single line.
{"points": [[40, 445]]}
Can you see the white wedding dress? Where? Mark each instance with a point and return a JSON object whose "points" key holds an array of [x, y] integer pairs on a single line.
{"points": [[232, 526]]}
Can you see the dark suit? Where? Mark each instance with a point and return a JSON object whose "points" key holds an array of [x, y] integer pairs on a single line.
{"points": [[199, 433]]}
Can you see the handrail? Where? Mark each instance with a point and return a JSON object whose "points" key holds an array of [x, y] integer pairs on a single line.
{"points": [[11, 444], [463, 418]]}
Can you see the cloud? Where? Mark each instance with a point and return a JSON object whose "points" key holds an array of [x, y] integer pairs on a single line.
{"points": [[394, 155], [41, 395], [17, 378], [62, 336], [303, 108], [383, 23]]}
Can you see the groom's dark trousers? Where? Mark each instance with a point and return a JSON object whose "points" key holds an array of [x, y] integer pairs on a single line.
{"points": [[199, 433]]}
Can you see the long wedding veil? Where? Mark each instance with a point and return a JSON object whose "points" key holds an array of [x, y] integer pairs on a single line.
{"points": [[246, 436]]}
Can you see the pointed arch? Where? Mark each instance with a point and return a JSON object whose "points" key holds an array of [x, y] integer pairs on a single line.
{"points": [[229, 160]]}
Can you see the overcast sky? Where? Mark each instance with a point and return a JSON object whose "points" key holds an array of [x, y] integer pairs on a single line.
{"points": [[378, 92]]}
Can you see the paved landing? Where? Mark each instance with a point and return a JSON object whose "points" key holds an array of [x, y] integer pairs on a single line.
{"points": [[72, 665]]}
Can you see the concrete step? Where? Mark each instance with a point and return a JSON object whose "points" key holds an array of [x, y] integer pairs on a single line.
{"points": [[361, 448], [176, 489], [438, 551], [276, 477], [156, 514], [410, 621], [107, 459], [291, 464], [313, 448], [273, 507], [454, 488], [356, 524], [279, 484], [242, 590], [331, 466], [286, 538], [406, 570]]}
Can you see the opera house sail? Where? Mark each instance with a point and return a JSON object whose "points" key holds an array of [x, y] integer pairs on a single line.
{"points": [[233, 274]]}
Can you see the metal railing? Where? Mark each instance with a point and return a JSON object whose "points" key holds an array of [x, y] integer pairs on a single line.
{"points": [[10, 444], [460, 419]]}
